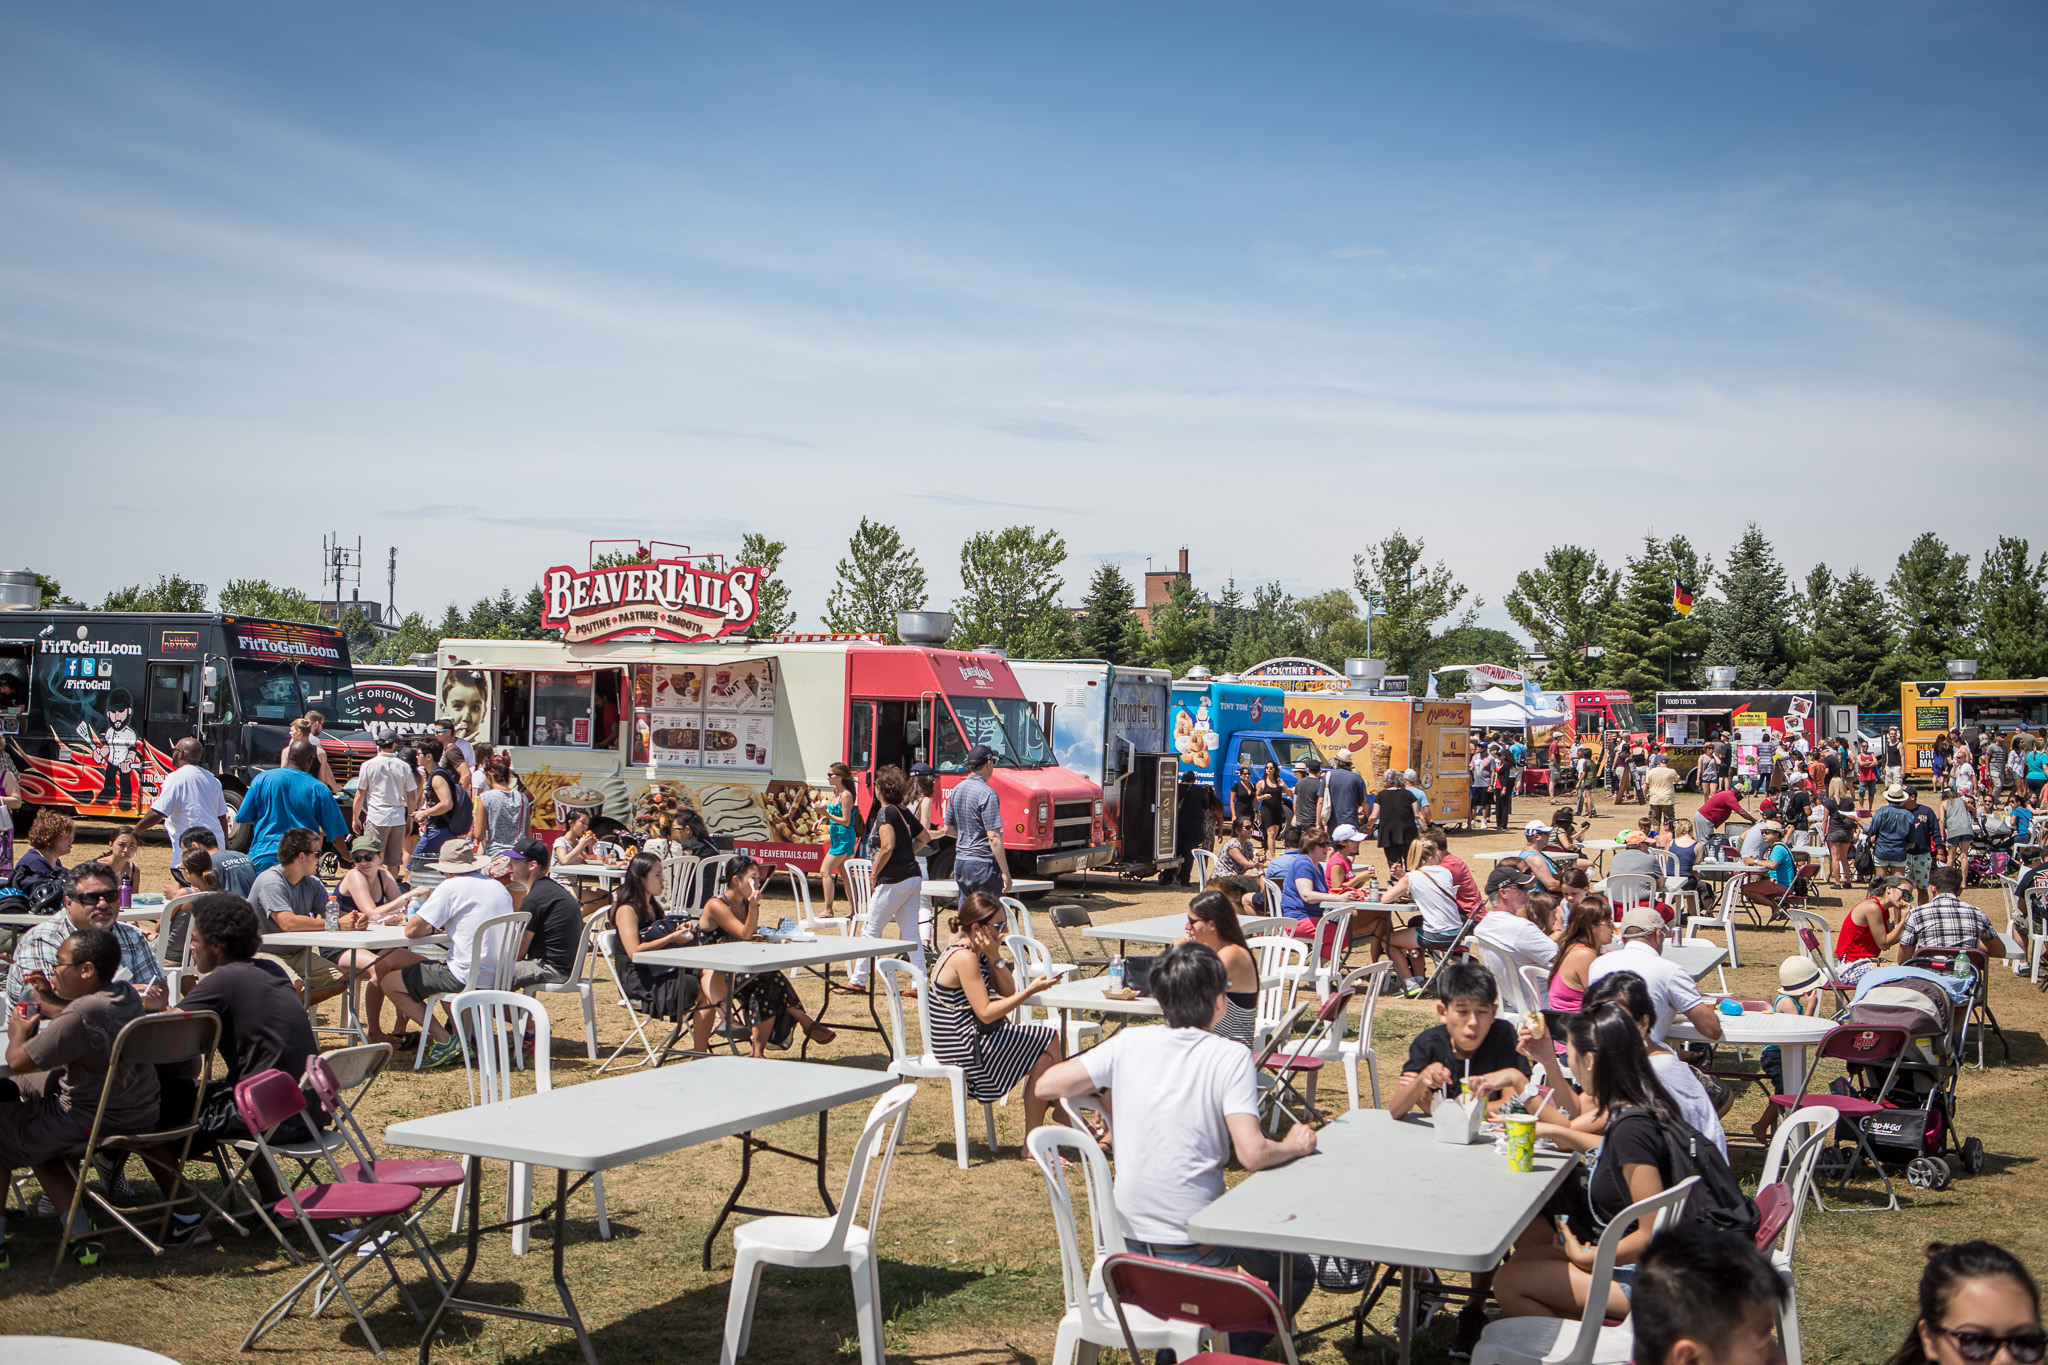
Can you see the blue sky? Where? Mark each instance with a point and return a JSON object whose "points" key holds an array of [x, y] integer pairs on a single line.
{"points": [[1264, 279]]}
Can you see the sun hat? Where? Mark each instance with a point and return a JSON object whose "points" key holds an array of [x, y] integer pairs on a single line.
{"points": [[1798, 976], [1895, 795], [1770, 827], [1641, 922], [1345, 834], [459, 861], [1342, 758]]}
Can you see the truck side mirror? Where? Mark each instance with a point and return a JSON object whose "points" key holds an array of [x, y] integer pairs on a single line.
{"points": [[208, 677], [206, 707]]}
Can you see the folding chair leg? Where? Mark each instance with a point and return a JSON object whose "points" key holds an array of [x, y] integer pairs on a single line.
{"points": [[589, 1021]]}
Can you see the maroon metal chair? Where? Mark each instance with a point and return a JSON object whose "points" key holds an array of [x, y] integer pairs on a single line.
{"points": [[1224, 1301], [1307, 1057], [1860, 1049], [267, 1100]]}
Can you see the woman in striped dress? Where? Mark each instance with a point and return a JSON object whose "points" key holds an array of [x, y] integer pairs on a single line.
{"points": [[968, 1007], [1212, 922]]}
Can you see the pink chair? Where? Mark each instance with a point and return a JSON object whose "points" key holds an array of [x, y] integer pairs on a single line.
{"points": [[1859, 1048], [1221, 1301], [264, 1101]]}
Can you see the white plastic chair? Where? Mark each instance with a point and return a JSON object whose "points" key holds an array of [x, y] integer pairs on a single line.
{"points": [[1722, 918], [608, 949], [1353, 1050], [1090, 1320], [1805, 922], [710, 880], [1674, 884], [1205, 867], [577, 983], [492, 1025], [926, 1065], [1326, 950], [1283, 966], [173, 950], [1557, 1341], [1628, 890], [1021, 925], [1720, 968], [808, 919], [1270, 889], [838, 1242], [860, 886], [2037, 915], [678, 878], [1031, 960], [1535, 986], [1802, 1134], [493, 953]]}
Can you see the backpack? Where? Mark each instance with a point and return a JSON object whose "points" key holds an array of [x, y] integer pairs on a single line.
{"points": [[1717, 1200], [1865, 861]]}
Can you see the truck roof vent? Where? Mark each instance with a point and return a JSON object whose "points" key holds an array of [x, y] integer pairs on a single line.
{"points": [[1720, 678], [19, 590], [924, 627], [1198, 671], [1962, 670]]}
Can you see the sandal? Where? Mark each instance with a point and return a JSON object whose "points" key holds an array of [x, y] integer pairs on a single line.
{"points": [[841, 988], [821, 1034]]}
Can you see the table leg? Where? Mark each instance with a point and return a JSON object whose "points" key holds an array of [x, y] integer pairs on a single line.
{"points": [[454, 1291], [1404, 1325], [561, 1280], [1792, 1059], [749, 1144]]}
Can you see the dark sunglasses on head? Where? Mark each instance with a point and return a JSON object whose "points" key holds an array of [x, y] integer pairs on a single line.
{"points": [[96, 897], [2024, 1347]]}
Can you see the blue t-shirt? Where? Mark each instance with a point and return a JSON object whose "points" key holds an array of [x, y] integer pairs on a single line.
{"points": [[1518, 752], [1287, 869], [282, 799], [973, 810], [1781, 865], [1348, 799]]}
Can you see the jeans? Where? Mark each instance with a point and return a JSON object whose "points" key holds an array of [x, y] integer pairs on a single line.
{"points": [[1263, 1264]]}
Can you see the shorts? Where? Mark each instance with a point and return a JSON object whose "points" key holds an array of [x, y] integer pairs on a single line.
{"points": [[1428, 939], [308, 968], [1919, 866], [423, 979], [393, 839], [36, 1131], [531, 973], [972, 876], [1662, 815]]}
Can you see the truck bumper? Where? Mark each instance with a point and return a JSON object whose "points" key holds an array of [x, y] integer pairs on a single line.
{"points": [[1074, 859]]}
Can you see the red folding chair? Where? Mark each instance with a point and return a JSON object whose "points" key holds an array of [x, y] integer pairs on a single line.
{"points": [[1305, 1058], [1224, 1301], [1864, 1049], [267, 1100], [1773, 1211]]}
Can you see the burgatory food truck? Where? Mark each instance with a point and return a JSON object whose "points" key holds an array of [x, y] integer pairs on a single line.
{"points": [[648, 705]]}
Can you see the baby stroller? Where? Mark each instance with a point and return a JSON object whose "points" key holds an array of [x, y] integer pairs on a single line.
{"points": [[1916, 1124], [1991, 851]]}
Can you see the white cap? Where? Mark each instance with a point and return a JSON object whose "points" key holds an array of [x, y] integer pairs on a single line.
{"points": [[1345, 834], [1537, 827]]}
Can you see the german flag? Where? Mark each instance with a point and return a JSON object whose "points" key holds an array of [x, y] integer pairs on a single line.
{"points": [[1681, 598]]}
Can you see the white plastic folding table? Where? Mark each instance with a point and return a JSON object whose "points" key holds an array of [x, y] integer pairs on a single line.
{"points": [[382, 939], [1384, 1189], [590, 1128], [761, 955], [1167, 928]]}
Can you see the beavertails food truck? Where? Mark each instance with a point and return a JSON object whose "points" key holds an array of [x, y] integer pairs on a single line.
{"points": [[648, 705], [1928, 710], [1108, 723], [91, 702]]}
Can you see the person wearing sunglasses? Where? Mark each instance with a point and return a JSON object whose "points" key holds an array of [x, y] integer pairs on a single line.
{"points": [[1977, 1304], [92, 900]]}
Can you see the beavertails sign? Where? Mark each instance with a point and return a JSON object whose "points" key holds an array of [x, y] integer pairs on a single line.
{"points": [[669, 599]]}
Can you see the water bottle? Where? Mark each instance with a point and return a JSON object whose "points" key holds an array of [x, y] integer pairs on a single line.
{"points": [[1116, 973], [333, 914], [127, 893]]}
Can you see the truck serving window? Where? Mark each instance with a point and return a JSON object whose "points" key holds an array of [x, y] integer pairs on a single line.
{"points": [[13, 679], [1005, 724]]}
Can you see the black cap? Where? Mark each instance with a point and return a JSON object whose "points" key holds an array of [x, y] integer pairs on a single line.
{"points": [[1505, 875], [921, 770], [531, 850], [979, 755]]}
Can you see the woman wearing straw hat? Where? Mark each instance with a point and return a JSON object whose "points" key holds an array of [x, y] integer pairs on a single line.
{"points": [[1799, 986]]}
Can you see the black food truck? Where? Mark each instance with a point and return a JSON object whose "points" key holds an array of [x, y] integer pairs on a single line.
{"points": [[91, 702]]}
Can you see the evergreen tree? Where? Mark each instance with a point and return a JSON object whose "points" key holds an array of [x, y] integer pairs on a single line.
{"points": [[2011, 604], [1273, 628], [1411, 598], [1231, 615], [1108, 628], [1010, 582], [52, 590], [775, 614], [1639, 640], [1690, 635], [1851, 645], [880, 577], [1562, 606], [413, 636], [1930, 601], [171, 592], [1751, 629], [1181, 629]]}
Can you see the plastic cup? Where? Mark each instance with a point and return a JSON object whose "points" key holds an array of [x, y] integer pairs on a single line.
{"points": [[1521, 1132]]}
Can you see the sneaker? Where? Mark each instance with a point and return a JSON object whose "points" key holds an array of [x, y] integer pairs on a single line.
{"points": [[192, 1234], [443, 1052], [44, 1208], [88, 1253], [1471, 1325]]}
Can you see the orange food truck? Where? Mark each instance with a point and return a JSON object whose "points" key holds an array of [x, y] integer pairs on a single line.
{"points": [[1393, 732]]}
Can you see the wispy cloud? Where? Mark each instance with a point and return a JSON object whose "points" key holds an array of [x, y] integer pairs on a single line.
{"points": [[1042, 431], [765, 438], [962, 500]]}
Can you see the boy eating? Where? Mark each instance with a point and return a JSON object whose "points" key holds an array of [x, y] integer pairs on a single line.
{"points": [[1468, 1041]]}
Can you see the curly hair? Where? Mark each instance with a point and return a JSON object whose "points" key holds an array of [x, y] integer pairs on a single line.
{"points": [[229, 923]]}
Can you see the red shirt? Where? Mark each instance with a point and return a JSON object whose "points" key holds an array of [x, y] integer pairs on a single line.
{"points": [[1716, 809], [1467, 891]]}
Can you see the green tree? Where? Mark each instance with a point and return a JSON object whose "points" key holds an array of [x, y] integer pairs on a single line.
{"points": [[1752, 629], [879, 578], [1272, 628], [171, 592], [505, 617], [2011, 604], [1850, 649], [413, 636], [1930, 601], [1108, 628], [52, 590], [775, 615], [1010, 581], [1562, 606], [1181, 629], [1231, 615], [1465, 645], [1412, 598], [258, 597], [1639, 643]]}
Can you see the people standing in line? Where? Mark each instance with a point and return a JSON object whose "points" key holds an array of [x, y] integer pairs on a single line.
{"points": [[1394, 825], [898, 883], [465, 754], [975, 815], [1894, 758], [445, 811], [1244, 800], [1272, 794], [386, 795], [189, 796], [302, 732], [1349, 802], [1504, 791], [1661, 791], [1308, 791], [1482, 770], [290, 797]]}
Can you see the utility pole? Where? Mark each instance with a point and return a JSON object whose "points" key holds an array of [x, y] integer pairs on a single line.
{"points": [[391, 588]]}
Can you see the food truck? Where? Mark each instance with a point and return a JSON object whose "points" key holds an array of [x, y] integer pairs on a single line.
{"points": [[1218, 726], [1593, 713], [1928, 709], [651, 703], [1750, 719], [1108, 723], [92, 702], [398, 695]]}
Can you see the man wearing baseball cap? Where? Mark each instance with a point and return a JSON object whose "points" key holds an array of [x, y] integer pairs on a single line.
{"points": [[387, 793], [975, 815], [1506, 927], [1672, 993], [554, 924], [1535, 834]]}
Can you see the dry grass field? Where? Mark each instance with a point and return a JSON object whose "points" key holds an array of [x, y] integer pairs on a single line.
{"points": [[970, 1272]]}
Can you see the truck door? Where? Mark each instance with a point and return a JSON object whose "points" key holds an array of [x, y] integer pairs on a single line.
{"points": [[173, 712], [860, 744]]}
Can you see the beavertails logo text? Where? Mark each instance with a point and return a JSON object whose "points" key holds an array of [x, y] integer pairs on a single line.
{"points": [[977, 675], [670, 599]]}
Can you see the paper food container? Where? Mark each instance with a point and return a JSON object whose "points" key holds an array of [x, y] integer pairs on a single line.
{"points": [[1457, 1123]]}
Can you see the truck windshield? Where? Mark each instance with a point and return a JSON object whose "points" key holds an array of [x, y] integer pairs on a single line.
{"points": [[279, 692], [1005, 724], [1293, 749]]}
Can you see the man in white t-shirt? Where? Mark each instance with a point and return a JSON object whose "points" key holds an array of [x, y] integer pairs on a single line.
{"points": [[1672, 992], [1506, 926], [1681, 1082], [455, 907], [387, 793], [189, 798], [1186, 1099]]}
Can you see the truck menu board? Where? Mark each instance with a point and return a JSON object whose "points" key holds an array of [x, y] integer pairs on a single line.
{"points": [[705, 715]]}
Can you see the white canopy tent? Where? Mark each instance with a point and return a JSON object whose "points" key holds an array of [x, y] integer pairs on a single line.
{"points": [[1499, 709]]}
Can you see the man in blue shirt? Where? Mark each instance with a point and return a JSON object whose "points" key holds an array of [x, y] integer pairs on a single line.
{"points": [[1776, 860], [1347, 795], [290, 797], [975, 814]]}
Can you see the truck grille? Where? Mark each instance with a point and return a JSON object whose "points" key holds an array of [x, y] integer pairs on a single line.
{"points": [[1073, 813], [345, 761]]}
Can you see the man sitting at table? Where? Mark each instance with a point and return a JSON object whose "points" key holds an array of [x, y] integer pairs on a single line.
{"points": [[231, 871], [554, 924], [1779, 870], [1506, 926], [92, 900], [290, 898], [468, 897], [1186, 1099], [1672, 992]]}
